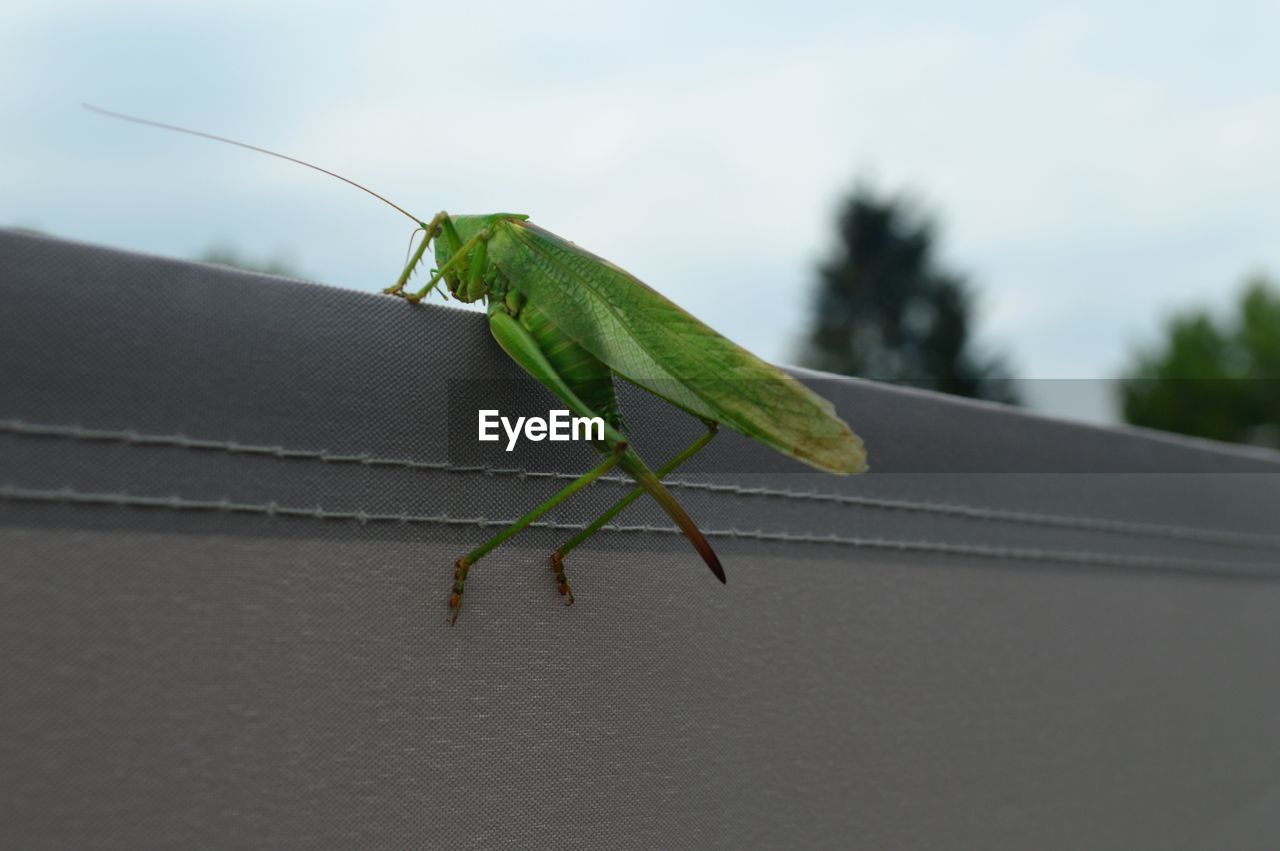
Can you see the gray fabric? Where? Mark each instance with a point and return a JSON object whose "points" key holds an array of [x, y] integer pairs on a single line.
{"points": [[229, 507]]}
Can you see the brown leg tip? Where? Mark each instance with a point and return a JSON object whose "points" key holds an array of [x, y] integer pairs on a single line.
{"points": [[562, 584]]}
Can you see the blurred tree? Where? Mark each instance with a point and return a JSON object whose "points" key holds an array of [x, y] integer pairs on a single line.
{"points": [[225, 255], [1216, 378], [883, 310]]}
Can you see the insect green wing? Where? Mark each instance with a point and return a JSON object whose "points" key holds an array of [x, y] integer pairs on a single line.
{"points": [[653, 343]]}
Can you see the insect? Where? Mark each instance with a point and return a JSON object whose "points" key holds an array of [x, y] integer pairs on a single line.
{"points": [[574, 321]]}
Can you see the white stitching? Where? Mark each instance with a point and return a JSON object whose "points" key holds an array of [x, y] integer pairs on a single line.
{"points": [[69, 495], [969, 512]]}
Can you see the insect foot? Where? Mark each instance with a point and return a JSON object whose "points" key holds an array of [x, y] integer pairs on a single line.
{"points": [[455, 596], [557, 565]]}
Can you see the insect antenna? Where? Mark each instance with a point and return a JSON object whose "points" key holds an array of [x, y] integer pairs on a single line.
{"points": [[147, 122]]}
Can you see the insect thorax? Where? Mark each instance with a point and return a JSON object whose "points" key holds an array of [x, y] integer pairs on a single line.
{"points": [[493, 284]]}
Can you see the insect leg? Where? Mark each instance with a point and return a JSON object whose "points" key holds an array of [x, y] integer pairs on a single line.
{"points": [[430, 234], [524, 350], [468, 247], [475, 271], [557, 557], [464, 564]]}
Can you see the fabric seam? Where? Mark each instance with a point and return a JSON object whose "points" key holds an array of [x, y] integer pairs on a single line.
{"points": [[992, 515], [274, 509]]}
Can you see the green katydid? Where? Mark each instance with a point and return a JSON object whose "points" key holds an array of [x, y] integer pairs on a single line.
{"points": [[574, 321]]}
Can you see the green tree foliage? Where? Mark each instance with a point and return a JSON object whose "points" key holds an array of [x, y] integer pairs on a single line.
{"points": [[884, 310], [1212, 377]]}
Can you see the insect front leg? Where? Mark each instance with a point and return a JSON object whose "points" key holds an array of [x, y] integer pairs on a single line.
{"points": [[429, 233], [463, 258]]}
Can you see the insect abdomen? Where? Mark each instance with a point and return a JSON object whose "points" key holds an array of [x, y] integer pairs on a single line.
{"points": [[585, 374]]}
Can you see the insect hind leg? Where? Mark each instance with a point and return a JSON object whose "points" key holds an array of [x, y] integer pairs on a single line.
{"points": [[558, 557], [464, 564], [524, 349]]}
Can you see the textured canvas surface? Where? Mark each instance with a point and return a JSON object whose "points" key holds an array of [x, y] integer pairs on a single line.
{"points": [[229, 506]]}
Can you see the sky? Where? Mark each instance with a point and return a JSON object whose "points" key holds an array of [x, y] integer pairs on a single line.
{"points": [[1091, 167]]}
